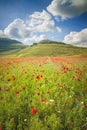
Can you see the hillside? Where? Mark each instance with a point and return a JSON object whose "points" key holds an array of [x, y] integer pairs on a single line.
{"points": [[52, 50], [45, 48], [8, 45]]}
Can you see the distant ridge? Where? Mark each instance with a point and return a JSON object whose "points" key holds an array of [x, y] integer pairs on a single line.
{"points": [[7, 44], [45, 41], [8, 40]]}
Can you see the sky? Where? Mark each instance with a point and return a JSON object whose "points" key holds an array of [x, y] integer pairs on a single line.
{"points": [[31, 21]]}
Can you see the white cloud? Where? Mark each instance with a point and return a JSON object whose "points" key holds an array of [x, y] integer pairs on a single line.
{"points": [[37, 24], [67, 8], [34, 39], [77, 38], [41, 15], [17, 30], [42, 22]]}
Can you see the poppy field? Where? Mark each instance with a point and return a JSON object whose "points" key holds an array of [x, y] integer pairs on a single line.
{"points": [[43, 93]]}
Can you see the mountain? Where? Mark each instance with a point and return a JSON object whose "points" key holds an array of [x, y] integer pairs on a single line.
{"points": [[43, 48], [8, 40], [8, 45]]}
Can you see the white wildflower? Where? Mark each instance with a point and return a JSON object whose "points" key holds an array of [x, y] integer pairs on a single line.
{"points": [[51, 100], [25, 120]]}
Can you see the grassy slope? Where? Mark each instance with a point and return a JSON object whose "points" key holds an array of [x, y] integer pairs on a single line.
{"points": [[47, 50], [52, 50]]}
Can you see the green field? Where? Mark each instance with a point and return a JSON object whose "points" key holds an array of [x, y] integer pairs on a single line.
{"points": [[43, 93]]}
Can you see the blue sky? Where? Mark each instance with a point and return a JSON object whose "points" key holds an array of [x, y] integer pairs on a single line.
{"points": [[12, 9], [34, 20]]}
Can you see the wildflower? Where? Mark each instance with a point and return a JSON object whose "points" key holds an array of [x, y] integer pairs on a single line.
{"points": [[38, 93], [25, 120], [51, 100], [59, 111], [78, 98], [34, 110], [77, 105], [0, 88], [78, 79], [9, 79], [70, 96], [43, 100], [16, 92], [6, 89], [38, 77], [82, 102], [48, 92]]}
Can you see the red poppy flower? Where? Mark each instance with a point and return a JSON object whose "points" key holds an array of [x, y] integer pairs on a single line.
{"points": [[0, 88], [43, 100], [38, 77], [78, 98], [34, 111], [7, 89], [9, 79], [79, 79], [16, 92]]}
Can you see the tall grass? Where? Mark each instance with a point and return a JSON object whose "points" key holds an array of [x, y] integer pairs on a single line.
{"points": [[43, 95]]}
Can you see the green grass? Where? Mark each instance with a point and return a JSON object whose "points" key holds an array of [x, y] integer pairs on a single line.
{"points": [[52, 50], [43, 96], [45, 50]]}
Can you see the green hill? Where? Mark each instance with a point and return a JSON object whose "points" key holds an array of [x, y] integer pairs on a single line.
{"points": [[52, 50], [46, 48], [9, 46]]}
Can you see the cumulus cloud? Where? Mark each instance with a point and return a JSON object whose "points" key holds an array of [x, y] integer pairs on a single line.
{"points": [[34, 39], [26, 31], [67, 8], [17, 29], [42, 22], [77, 38], [44, 15]]}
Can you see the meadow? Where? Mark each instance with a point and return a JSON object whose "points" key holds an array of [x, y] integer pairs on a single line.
{"points": [[43, 93]]}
